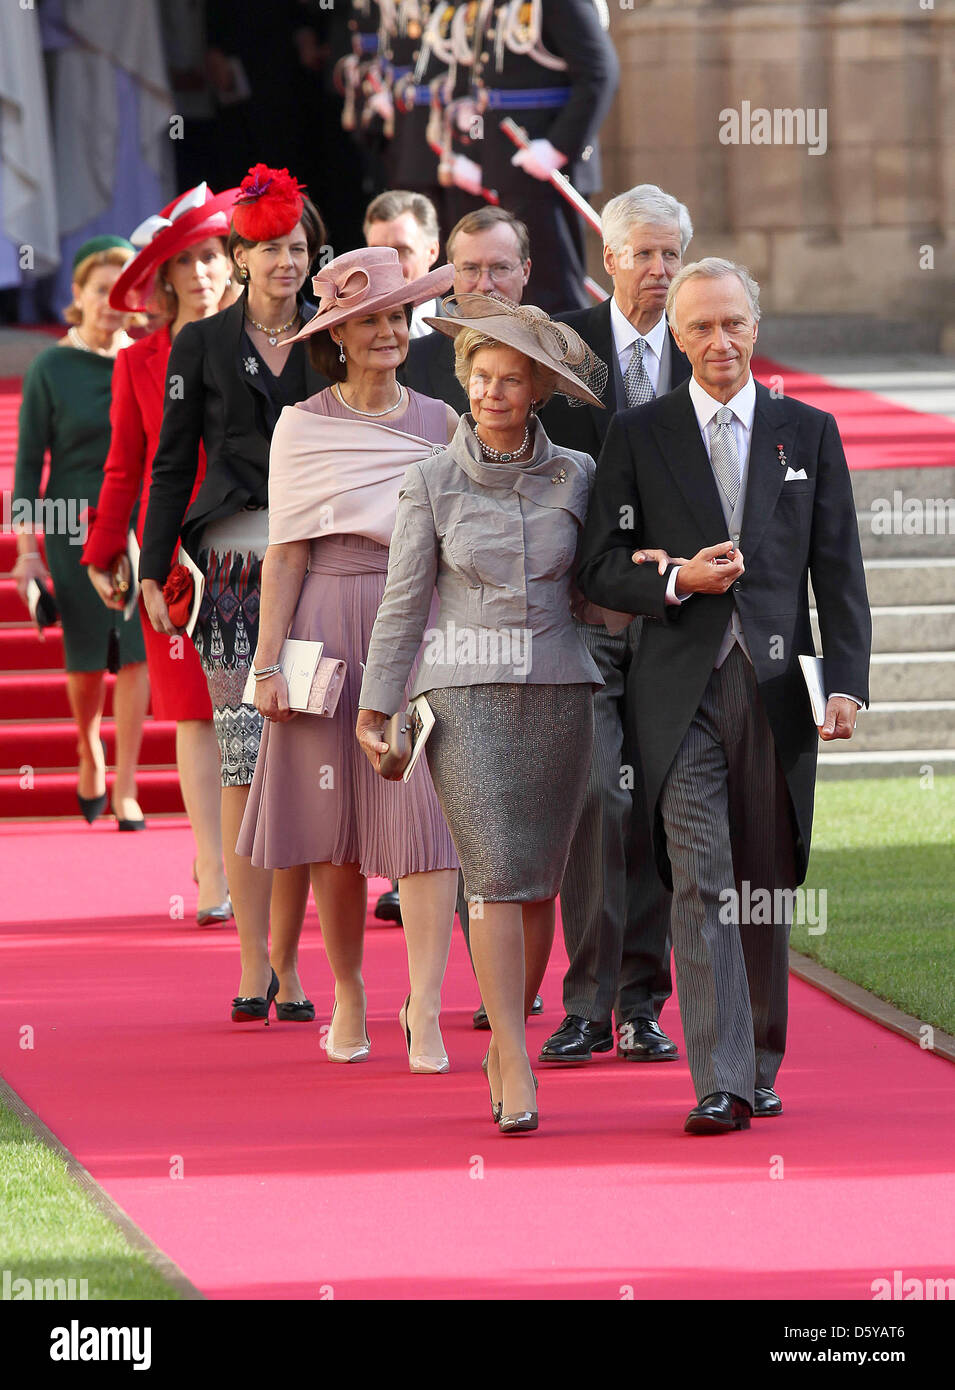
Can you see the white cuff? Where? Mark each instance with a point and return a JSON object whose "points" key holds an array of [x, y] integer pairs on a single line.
{"points": [[672, 597]]}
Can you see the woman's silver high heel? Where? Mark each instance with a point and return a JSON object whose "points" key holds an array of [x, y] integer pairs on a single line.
{"points": [[418, 1062], [521, 1121], [496, 1106], [355, 1054]]}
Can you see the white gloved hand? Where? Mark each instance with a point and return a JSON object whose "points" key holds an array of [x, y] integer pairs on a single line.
{"points": [[466, 174], [540, 159]]}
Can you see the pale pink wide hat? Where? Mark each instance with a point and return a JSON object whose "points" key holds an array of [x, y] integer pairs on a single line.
{"points": [[369, 281]]}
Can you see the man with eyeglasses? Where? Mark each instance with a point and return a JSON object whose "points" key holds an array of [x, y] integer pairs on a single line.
{"points": [[490, 252]]}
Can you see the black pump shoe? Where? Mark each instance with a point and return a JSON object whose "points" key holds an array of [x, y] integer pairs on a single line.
{"points": [[92, 806], [295, 1011], [250, 1008]]}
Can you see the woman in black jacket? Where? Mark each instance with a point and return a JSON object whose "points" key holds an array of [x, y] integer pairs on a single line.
{"points": [[229, 378]]}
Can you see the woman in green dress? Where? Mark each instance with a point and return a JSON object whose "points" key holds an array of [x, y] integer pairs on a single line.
{"points": [[65, 410]]}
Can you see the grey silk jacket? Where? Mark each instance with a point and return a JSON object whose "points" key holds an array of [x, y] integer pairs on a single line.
{"points": [[498, 541]]}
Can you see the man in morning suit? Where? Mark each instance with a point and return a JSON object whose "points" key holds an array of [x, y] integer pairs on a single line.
{"points": [[756, 491], [615, 910]]}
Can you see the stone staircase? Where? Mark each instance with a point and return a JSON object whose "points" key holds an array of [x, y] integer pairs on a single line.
{"points": [[909, 554]]}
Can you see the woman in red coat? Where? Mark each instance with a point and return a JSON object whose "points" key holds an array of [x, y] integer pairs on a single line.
{"points": [[183, 272]]}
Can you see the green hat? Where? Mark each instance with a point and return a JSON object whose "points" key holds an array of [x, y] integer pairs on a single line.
{"points": [[101, 243]]}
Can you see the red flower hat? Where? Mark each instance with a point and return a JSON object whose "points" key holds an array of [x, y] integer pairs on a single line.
{"points": [[188, 219], [269, 204]]}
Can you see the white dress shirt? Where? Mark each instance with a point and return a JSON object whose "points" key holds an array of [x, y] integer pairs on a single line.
{"points": [[743, 406], [624, 337], [418, 327]]}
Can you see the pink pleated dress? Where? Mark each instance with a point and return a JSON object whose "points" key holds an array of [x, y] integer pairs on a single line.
{"points": [[315, 798]]}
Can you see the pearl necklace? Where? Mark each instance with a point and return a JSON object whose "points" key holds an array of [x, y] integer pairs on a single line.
{"points": [[497, 456], [370, 413], [273, 334], [75, 340]]}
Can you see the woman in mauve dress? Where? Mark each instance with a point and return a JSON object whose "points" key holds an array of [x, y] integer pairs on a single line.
{"points": [[336, 466]]}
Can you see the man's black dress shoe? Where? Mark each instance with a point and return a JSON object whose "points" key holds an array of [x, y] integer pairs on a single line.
{"points": [[576, 1040], [388, 907], [719, 1113], [479, 1017], [767, 1103], [643, 1040]]}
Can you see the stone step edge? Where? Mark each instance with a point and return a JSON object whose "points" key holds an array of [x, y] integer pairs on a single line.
{"points": [[862, 1001]]}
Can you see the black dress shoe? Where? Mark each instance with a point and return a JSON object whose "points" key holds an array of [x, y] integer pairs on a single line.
{"points": [[480, 1020], [92, 806], [388, 907], [576, 1040], [767, 1103], [643, 1040], [719, 1113]]}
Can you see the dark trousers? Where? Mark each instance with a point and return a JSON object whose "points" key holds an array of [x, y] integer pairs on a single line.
{"points": [[614, 907], [558, 260], [726, 813]]}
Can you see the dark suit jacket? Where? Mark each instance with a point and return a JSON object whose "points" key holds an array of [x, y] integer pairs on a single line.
{"points": [[212, 400], [570, 30], [429, 370], [585, 427], [655, 463]]}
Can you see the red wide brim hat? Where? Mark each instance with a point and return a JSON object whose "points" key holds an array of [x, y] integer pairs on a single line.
{"points": [[198, 214]]}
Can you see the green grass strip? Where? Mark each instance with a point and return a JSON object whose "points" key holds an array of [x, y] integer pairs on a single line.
{"points": [[50, 1229], [882, 850]]}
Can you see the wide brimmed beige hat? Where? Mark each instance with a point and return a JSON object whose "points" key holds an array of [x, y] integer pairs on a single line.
{"points": [[369, 281], [581, 374]]}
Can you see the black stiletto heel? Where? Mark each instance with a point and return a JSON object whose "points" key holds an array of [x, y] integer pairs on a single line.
{"points": [[250, 1008]]}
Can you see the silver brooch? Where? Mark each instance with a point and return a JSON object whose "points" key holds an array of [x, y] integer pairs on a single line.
{"points": [[251, 366], [560, 476]]}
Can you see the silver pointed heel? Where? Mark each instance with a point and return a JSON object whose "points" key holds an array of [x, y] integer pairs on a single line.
{"points": [[356, 1054], [418, 1062]]}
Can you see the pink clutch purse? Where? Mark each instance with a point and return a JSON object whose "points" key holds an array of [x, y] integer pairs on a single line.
{"points": [[327, 685]]}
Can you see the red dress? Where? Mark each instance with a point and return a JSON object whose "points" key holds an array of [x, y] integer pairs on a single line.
{"points": [[178, 686]]}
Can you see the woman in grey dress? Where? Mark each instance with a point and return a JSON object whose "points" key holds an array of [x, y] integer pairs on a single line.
{"points": [[493, 521]]}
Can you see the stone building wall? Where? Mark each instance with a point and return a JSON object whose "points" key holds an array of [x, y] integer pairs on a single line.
{"points": [[865, 227]]}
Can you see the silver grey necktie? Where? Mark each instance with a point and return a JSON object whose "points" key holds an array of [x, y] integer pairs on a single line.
{"points": [[637, 384], [723, 453]]}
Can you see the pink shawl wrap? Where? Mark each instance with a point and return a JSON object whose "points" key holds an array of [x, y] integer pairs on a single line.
{"points": [[329, 476]]}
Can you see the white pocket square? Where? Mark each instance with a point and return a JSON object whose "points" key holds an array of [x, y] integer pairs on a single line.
{"points": [[794, 474]]}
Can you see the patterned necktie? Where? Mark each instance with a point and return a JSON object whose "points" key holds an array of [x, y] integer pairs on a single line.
{"points": [[723, 453], [636, 383]]}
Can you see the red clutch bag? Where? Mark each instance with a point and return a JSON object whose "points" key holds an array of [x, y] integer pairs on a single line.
{"points": [[179, 591]]}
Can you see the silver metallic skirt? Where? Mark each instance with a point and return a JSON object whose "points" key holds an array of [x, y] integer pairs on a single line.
{"points": [[510, 765]]}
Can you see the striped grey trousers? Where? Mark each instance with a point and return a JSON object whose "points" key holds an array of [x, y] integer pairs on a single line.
{"points": [[726, 812]]}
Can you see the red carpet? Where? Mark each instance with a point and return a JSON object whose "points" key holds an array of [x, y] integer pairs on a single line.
{"points": [[298, 1175], [876, 432]]}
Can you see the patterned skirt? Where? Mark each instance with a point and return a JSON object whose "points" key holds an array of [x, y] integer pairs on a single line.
{"points": [[227, 633]]}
